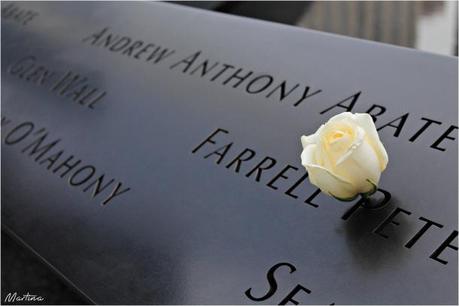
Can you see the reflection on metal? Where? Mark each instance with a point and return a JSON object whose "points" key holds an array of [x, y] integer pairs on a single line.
{"points": [[405, 23]]}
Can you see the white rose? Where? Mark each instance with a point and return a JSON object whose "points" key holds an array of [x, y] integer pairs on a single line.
{"points": [[345, 156]]}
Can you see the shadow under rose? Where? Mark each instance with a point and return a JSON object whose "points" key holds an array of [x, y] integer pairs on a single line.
{"points": [[374, 242]]}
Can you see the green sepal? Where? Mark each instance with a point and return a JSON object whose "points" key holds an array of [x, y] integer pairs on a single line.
{"points": [[369, 193], [344, 199]]}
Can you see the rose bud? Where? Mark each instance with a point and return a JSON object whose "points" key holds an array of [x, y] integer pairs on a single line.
{"points": [[344, 157]]}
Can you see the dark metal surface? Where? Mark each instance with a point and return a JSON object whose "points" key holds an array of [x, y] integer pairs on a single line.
{"points": [[191, 230], [23, 272]]}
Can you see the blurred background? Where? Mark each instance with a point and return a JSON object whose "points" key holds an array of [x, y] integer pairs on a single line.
{"points": [[429, 26], [425, 25]]}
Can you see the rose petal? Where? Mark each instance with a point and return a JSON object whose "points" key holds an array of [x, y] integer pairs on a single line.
{"points": [[330, 183], [357, 142], [366, 122], [342, 117], [323, 178], [308, 154], [307, 140], [361, 168]]}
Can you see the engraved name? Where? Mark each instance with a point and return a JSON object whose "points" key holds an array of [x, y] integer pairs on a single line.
{"points": [[47, 152], [289, 180], [295, 296], [268, 86], [17, 14], [195, 64], [68, 85]]}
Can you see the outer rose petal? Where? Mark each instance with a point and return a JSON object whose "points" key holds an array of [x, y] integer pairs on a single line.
{"points": [[361, 168], [345, 116], [308, 155], [366, 122], [327, 182], [307, 140], [330, 183]]}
